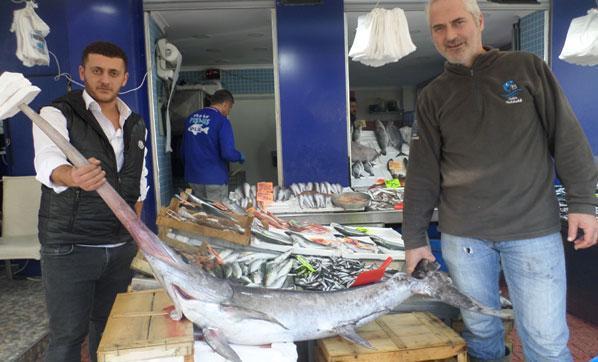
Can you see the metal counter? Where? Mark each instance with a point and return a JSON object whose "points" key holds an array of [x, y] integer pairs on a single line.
{"points": [[354, 217]]}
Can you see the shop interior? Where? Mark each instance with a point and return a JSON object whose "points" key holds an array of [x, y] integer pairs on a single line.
{"points": [[233, 49]]}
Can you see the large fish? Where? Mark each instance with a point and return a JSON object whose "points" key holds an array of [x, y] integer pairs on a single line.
{"points": [[395, 138], [363, 153], [228, 313], [381, 136]]}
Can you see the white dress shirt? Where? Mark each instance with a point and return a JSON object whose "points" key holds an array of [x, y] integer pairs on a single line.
{"points": [[48, 156]]}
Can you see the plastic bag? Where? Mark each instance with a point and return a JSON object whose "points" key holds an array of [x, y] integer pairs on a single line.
{"points": [[581, 44], [31, 31], [382, 37]]}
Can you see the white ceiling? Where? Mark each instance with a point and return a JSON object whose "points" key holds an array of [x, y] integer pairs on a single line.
{"points": [[243, 37]]}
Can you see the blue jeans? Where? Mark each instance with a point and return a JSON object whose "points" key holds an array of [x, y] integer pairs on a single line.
{"points": [[80, 284], [534, 270]]}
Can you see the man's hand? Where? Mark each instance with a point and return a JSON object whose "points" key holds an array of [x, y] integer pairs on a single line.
{"points": [[588, 224], [413, 256], [89, 177]]}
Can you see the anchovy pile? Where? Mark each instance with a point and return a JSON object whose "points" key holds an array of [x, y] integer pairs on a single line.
{"points": [[385, 198], [255, 269], [325, 274]]}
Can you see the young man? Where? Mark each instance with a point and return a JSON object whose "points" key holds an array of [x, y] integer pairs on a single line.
{"points": [[490, 130], [86, 252], [208, 147]]}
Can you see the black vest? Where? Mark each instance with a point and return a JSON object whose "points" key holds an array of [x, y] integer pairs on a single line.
{"points": [[77, 216]]}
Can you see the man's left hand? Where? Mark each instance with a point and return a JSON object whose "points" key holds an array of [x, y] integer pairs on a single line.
{"points": [[589, 225]]}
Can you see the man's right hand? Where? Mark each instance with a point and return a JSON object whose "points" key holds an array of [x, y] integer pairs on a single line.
{"points": [[413, 256], [89, 177]]}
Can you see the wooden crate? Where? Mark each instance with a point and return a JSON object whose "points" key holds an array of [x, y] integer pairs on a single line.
{"points": [[397, 337], [140, 329], [164, 223]]}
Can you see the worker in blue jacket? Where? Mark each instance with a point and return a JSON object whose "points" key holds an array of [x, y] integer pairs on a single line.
{"points": [[208, 147]]}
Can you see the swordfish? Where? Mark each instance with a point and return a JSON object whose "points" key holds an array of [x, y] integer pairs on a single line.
{"points": [[231, 314]]}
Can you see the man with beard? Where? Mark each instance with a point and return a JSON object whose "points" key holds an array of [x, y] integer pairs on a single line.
{"points": [[490, 131], [86, 252]]}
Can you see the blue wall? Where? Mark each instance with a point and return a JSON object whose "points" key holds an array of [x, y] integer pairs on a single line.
{"points": [[313, 104], [74, 24], [580, 83]]}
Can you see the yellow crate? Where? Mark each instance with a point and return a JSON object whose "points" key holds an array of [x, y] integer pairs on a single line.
{"points": [[140, 329], [397, 337]]}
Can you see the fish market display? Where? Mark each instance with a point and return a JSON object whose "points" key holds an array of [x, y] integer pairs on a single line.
{"points": [[227, 313], [334, 240], [381, 153], [385, 198], [310, 195]]}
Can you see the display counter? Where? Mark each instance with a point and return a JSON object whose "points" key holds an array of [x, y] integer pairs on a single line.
{"points": [[353, 217]]}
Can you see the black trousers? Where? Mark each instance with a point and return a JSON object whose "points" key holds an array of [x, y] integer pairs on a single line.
{"points": [[80, 285]]}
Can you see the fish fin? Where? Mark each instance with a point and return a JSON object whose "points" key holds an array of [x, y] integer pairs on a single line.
{"points": [[219, 344], [348, 332], [246, 313]]}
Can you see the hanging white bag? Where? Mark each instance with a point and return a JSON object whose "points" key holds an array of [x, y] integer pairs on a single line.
{"points": [[31, 32], [581, 44], [382, 37]]}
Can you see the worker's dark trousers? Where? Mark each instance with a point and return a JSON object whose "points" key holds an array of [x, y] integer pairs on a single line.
{"points": [[81, 283]]}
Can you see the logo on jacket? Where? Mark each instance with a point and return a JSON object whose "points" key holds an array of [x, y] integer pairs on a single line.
{"points": [[511, 91], [197, 129], [140, 145], [199, 124]]}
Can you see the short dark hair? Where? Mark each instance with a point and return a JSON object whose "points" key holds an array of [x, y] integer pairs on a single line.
{"points": [[352, 99], [106, 49], [221, 96]]}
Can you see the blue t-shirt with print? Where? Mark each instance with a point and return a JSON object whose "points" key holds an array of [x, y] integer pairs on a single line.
{"points": [[208, 147]]}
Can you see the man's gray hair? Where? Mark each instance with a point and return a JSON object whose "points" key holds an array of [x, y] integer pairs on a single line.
{"points": [[471, 6]]}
